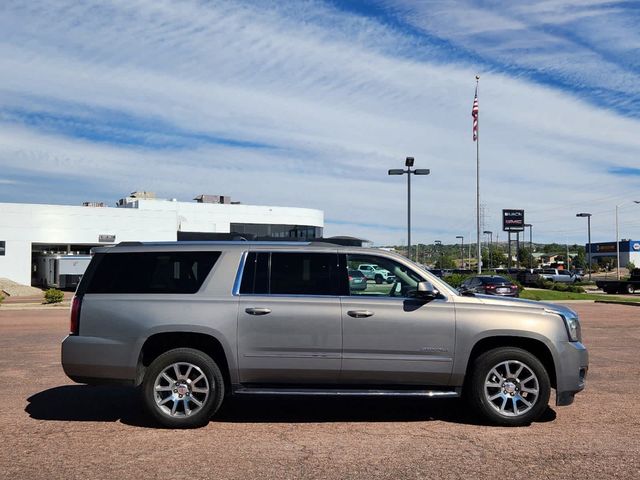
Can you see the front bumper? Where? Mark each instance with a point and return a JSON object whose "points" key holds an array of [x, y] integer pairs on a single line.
{"points": [[571, 371]]}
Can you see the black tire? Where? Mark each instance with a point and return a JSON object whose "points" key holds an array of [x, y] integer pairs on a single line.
{"points": [[378, 279], [516, 412], [214, 386], [629, 288]]}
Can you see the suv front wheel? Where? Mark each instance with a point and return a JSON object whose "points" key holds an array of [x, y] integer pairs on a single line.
{"points": [[182, 388], [509, 386]]}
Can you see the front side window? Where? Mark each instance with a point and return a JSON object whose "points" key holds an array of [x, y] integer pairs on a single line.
{"points": [[285, 273], [397, 280]]}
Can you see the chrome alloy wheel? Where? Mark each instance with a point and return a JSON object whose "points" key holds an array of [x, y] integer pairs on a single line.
{"points": [[181, 389], [511, 388]]}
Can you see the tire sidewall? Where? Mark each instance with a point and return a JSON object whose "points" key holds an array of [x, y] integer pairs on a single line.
{"points": [[485, 362], [210, 370]]}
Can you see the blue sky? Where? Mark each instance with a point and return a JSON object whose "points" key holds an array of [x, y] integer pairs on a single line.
{"points": [[309, 103]]}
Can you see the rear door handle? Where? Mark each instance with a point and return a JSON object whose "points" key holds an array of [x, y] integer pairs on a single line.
{"points": [[360, 313], [257, 311]]}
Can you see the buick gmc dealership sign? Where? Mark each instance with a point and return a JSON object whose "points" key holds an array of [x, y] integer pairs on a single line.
{"points": [[512, 220]]}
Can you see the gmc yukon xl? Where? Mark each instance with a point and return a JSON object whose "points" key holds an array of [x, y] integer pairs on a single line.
{"points": [[190, 323]]}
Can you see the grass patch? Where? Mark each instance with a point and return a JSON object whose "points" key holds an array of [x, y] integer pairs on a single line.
{"points": [[559, 296]]}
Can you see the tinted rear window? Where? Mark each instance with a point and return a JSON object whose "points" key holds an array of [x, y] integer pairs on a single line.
{"points": [[255, 276], [305, 274], [291, 274], [494, 280], [151, 272]]}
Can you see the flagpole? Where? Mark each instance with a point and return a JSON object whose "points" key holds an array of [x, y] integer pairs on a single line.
{"points": [[478, 184]]}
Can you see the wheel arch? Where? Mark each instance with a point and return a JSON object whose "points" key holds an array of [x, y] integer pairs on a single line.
{"points": [[158, 343], [531, 345]]}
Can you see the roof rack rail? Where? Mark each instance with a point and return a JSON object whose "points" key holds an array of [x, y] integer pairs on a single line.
{"points": [[129, 244]]}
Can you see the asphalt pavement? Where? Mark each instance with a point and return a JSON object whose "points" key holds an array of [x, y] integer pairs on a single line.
{"points": [[51, 428]]}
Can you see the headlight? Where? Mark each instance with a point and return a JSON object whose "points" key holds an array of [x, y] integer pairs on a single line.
{"points": [[571, 323], [573, 326]]}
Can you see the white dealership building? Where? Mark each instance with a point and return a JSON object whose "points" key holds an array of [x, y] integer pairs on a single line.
{"points": [[30, 230]]}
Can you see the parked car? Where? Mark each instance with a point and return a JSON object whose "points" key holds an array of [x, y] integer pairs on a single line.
{"points": [[191, 323], [557, 275], [374, 272], [357, 280], [490, 285]]}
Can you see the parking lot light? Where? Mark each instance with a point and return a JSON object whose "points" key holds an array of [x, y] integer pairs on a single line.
{"points": [[588, 215], [530, 243], [409, 161]]}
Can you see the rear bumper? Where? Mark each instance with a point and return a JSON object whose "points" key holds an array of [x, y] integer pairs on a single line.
{"points": [[571, 372], [97, 360]]}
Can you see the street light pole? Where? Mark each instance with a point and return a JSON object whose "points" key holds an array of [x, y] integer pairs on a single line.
{"points": [[409, 211], [418, 171], [618, 240], [461, 250], [588, 215], [530, 244], [490, 233]]}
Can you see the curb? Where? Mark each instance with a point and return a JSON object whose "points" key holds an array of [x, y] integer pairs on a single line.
{"points": [[33, 306], [616, 302]]}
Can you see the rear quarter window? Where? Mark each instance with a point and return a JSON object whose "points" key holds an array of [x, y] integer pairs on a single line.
{"points": [[150, 272]]}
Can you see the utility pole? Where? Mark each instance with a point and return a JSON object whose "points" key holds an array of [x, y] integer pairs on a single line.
{"points": [[461, 251]]}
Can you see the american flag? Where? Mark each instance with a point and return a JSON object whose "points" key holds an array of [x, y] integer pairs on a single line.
{"points": [[474, 114]]}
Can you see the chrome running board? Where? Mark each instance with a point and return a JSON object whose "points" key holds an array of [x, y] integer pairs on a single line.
{"points": [[347, 392]]}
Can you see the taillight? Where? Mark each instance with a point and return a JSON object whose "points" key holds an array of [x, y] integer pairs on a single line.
{"points": [[490, 287], [514, 287], [350, 278], [74, 321]]}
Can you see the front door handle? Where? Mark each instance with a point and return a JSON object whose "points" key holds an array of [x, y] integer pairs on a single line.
{"points": [[257, 311], [360, 313]]}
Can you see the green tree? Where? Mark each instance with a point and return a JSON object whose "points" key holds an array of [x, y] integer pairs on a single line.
{"points": [[493, 257], [525, 257], [579, 261], [446, 261]]}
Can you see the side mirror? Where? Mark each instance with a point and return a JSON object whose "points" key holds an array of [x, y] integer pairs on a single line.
{"points": [[426, 290]]}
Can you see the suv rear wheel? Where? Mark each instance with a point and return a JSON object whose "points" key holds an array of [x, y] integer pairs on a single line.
{"points": [[509, 386], [182, 388]]}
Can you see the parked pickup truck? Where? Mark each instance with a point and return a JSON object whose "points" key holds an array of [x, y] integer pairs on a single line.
{"points": [[561, 276], [621, 286]]}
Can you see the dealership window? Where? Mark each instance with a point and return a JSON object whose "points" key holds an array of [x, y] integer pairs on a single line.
{"points": [[2, 247], [276, 230]]}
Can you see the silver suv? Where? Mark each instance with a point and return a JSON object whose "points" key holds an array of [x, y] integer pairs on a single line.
{"points": [[191, 323]]}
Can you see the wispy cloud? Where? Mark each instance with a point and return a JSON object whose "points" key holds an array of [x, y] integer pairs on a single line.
{"points": [[625, 171], [309, 103]]}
